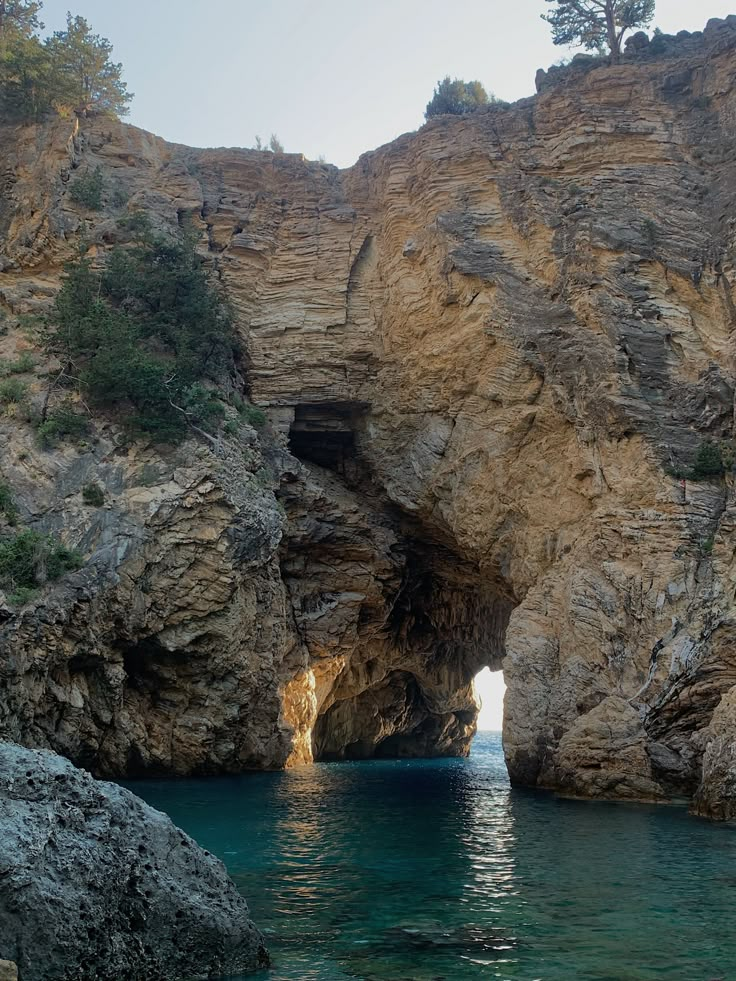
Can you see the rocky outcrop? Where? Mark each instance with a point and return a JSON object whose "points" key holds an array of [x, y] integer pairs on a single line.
{"points": [[483, 351], [604, 754], [716, 796], [97, 884], [117, 666]]}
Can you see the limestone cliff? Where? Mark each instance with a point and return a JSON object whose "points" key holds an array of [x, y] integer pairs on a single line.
{"points": [[482, 350]]}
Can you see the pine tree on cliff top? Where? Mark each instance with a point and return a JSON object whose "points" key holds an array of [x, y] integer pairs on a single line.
{"points": [[597, 24], [18, 19], [26, 79], [24, 64], [71, 71], [86, 78]]}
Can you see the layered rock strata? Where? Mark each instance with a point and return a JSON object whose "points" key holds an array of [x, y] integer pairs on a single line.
{"points": [[483, 350], [97, 884]]}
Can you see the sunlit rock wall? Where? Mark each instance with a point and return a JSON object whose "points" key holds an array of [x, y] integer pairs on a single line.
{"points": [[481, 350]]}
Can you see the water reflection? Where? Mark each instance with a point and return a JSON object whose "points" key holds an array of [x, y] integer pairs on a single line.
{"points": [[437, 871]]}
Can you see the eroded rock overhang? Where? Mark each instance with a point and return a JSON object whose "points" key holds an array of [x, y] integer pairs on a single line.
{"points": [[536, 316], [481, 349]]}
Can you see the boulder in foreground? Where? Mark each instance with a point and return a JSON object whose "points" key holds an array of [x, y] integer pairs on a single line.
{"points": [[95, 884]]}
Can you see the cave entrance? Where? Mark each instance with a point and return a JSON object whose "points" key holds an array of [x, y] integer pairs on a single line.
{"points": [[324, 433], [418, 633], [490, 689], [408, 691]]}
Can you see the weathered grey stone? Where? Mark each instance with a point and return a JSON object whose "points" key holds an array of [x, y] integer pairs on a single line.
{"points": [[95, 884], [637, 42], [716, 795]]}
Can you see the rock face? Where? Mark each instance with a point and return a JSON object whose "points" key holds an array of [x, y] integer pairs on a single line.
{"points": [[483, 350], [716, 796], [96, 884]]}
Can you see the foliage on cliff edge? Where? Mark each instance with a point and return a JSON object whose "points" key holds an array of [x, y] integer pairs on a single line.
{"points": [[71, 71]]}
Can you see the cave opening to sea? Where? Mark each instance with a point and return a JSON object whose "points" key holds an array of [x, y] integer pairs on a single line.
{"points": [[430, 622], [490, 689]]}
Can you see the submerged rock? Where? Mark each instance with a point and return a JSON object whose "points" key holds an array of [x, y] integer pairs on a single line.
{"points": [[94, 883]]}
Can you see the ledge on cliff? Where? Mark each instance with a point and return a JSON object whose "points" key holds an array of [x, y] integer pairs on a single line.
{"points": [[639, 48]]}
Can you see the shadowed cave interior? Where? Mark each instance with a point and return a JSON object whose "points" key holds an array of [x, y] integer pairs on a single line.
{"points": [[409, 694]]}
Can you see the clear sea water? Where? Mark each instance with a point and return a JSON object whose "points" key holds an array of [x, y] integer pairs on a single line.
{"points": [[437, 871]]}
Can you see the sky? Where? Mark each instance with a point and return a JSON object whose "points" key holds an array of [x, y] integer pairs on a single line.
{"points": [[331, 78], [490, 687]]}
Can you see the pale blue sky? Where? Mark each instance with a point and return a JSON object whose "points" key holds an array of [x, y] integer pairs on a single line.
{"points": [[332, 77]]}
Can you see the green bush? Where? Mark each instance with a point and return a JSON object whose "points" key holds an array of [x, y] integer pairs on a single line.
{"points": [[22, 595], [62, 422], [22, 364], [709, 462], [144, 334], [138, 224], [254, 416], [12, 391], [203, 406], [87, 190], [455, 97], [7, 504], [712, 461], [650, 233], [29, 559], [93, 495], [120, 197]]}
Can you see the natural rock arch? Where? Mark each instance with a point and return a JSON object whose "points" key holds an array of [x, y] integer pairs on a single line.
{"points": [[481, 351]]}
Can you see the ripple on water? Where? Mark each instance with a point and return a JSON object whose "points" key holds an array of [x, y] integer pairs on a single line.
{"points": [[437, 871]]}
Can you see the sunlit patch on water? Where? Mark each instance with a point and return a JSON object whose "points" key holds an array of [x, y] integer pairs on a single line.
{"points": [[437, 871]]}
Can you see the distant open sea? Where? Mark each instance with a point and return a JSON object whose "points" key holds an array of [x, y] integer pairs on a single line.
{"points": [[436, 870]]}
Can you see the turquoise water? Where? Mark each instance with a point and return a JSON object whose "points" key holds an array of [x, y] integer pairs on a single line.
{"points": [[437, 871]]}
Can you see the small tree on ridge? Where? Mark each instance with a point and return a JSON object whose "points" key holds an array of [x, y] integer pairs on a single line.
{"points": [[24, 64], [455, 97], [19, 18]]}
